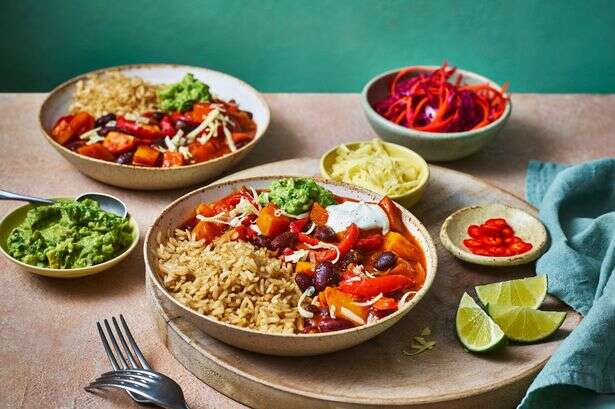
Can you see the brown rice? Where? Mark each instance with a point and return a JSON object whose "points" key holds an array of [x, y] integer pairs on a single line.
{"points": [[113, 92], [231, 281]]}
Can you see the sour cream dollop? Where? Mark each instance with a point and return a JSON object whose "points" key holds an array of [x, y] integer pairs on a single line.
{"points": [[365, 215]]}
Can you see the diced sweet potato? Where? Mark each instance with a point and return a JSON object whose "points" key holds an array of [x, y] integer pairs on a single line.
{"points": [[207, 231], [412, 269], [202, 153], [97, 151], [342, 300], [117, 142], [146, 156], [206, 209], [243, 137], [270, 224], [82, 122], [171, 159], [62, 133], [199, 111], [304, 267], [401, 246], [319, 214]]}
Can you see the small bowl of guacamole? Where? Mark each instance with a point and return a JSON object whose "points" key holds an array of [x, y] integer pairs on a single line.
{"points": [[67, 239]]}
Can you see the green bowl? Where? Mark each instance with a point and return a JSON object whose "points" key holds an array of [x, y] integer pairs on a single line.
{"points": [[17, 216], [432, 146]]}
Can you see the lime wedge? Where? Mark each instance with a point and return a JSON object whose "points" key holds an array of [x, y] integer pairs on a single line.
{"points": [[476, 331], [525, 324], [526, 292]]}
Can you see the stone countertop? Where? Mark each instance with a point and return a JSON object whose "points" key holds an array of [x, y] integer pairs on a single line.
{"points": [[49, 345]]}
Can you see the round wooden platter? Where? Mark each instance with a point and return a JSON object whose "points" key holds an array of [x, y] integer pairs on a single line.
{"points": [[378, 373]]}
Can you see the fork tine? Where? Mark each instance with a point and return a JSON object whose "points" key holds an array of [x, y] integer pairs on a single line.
{"points": [[115, 345], [120, 335], [134, 345], [107, 348], [141, 372], [136, 378], [132, 386]]}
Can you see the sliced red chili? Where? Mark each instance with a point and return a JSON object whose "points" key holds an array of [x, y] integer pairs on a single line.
{"points": [[496, 238]]}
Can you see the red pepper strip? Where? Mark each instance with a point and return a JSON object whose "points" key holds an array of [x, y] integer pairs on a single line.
{"points": [[393, 214], [135, 129], [166, 126], [370, 287], [349, 240], [304, 238], [297, 226], [370, 243]]}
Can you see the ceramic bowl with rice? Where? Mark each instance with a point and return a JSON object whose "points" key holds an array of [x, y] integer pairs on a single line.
{"points": [[131, 90], [245, 295]]}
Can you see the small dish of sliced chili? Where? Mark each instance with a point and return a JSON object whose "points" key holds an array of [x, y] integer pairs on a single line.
{"points": [[493, 234]]}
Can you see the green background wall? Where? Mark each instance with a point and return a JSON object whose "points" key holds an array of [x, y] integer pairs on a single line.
{"points": [[317, 45]]}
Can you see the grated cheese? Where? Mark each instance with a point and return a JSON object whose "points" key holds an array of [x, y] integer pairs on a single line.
{"points": [[307, 293], [369, 302], [372, 167]]}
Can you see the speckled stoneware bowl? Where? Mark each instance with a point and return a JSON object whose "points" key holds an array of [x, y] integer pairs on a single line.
{"points": [[409, 198], [275, 344], [455, 230], [432, 146], [222, 85], [17, 216]]}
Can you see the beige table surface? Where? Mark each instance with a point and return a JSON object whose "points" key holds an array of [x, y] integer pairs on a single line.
{"points": [[49, 348]]}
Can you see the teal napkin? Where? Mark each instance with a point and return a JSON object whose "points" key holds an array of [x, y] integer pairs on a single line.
{"points": [[577, 204]]}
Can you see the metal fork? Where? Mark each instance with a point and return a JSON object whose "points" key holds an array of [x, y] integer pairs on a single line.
{"points": [[141, 383], [156, 387]]}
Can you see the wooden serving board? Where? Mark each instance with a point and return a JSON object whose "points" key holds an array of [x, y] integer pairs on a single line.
{"points": [[377, 373]]}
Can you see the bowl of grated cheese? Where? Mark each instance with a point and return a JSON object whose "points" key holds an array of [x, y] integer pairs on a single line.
{"points": [[379, 166]]}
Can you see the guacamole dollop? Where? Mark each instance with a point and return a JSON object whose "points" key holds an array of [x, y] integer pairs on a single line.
{"points": [[296, 195], [182, 95], [69, 234]]}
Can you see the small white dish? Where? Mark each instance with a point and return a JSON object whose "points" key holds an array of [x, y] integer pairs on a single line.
{"points": [[455, 230]]}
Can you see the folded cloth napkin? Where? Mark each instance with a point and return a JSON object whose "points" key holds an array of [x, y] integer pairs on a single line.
{"points": [[577, 204]]}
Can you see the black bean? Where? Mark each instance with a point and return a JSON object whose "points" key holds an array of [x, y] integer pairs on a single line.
{"points": [[157, 115], [124, 158], [105, 131], [262, 241], [159, 142], [331, 324], [325, 275], [102, 121], [303, 281], [184, 125], [283, 241], [324, 233], [385, 261]]}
